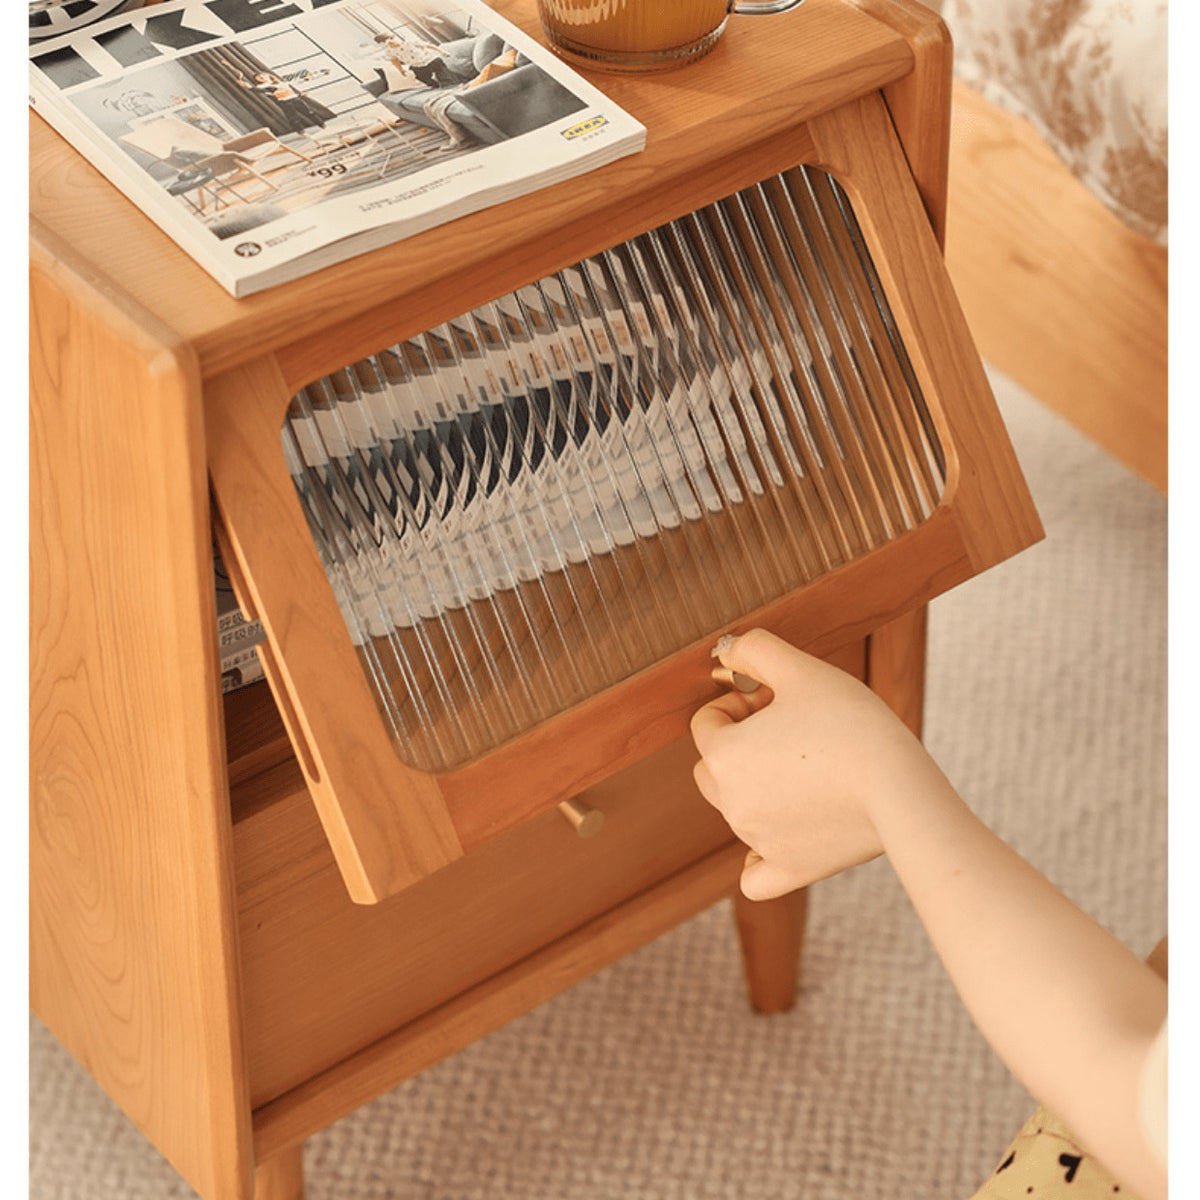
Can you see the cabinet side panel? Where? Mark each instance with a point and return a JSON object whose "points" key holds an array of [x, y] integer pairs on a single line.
{"points": [[132, 958], [919, 101]]}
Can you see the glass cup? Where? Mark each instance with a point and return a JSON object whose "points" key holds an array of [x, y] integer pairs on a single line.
{"points": [[642, 35]]}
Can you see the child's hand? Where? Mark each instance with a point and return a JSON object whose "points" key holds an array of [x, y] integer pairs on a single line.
{"points": [[815, 774], [796, 770]]}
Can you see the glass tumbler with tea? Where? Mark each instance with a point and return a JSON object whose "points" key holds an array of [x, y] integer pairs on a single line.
{"points": [[642, 35]]}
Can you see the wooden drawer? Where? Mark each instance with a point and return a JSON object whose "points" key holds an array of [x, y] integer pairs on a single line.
{"points": [[323, 977]]}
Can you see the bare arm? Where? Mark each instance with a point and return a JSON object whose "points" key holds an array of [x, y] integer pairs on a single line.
{"points": [[815, 774]]}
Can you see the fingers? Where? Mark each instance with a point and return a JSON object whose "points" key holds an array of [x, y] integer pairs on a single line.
{"points": [[762, 880], [705, 783], [727, 709], [759, 654]]}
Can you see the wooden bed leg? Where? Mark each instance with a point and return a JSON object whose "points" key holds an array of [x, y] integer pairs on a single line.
{"points": [[281, 1177], [772, 935]]}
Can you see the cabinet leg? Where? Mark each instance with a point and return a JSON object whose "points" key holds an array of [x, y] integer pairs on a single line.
{"points": [[896, 666], [280, 1177], [771, 934]]}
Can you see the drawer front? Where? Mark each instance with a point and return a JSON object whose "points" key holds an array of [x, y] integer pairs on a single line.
{"points": [[323, 977]]}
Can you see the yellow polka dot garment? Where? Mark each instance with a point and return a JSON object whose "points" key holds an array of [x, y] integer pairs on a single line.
{"points": [[1044, 1162]]}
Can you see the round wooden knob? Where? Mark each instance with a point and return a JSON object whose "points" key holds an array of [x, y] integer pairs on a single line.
{"points": [[585, 820]]}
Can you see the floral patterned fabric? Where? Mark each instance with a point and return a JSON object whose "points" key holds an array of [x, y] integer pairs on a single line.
{"points": [[1091, 77]]}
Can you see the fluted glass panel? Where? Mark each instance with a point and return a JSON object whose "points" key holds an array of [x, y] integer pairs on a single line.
{"points": [[543, 496]]}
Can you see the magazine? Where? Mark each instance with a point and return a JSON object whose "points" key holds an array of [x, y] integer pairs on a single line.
{"points": [[237, 636], [270, 140]]}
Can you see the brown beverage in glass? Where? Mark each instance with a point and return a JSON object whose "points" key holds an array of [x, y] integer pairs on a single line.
{"points": [[641, 35]]}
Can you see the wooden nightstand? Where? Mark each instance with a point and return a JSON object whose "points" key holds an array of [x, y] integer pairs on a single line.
{"points": [[193, 937]]}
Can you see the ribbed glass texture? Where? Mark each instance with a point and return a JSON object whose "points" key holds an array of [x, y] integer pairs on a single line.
{"points": [[547, 494]]}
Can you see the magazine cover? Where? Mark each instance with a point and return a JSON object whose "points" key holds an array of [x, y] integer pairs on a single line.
{"points": [[271, 140], [236, 636], [50, 18]]}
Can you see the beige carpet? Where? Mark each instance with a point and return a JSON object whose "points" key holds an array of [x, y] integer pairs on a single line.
{"points": [[653, 1081]]}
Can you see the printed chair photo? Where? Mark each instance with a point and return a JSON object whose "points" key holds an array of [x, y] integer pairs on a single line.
{"points": [[208, 164], [491, 109]]}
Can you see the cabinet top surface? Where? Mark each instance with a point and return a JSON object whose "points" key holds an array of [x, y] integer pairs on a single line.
{"points": [[765, 77]]}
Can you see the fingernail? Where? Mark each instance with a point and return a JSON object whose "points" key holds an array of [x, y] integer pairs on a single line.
{"points": [[724, 644]]}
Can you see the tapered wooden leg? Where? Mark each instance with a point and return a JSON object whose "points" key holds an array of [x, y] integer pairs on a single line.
{"points": [[772, 935], [896, 666], [280, 1177]]}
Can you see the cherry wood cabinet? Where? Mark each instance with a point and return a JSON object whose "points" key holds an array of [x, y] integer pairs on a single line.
{"points": [[248, 915]]}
